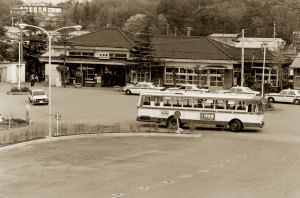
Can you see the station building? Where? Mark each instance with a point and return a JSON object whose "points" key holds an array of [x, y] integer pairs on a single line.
{"points": [[196, 60]]}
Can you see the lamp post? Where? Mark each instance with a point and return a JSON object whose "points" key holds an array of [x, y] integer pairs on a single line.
{"points": [[264, 46], [77, 27]]}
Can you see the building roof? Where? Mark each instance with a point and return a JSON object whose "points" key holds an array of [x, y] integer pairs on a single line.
{"points": [[296, 62], [250, 54], [221, 35], [197, 48], [109, 37]]}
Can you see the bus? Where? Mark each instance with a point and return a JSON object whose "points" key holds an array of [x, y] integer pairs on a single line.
{"points": [[222, 110]]}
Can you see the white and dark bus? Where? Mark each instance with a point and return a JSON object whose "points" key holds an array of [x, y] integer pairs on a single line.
{"points": [[233, 110]]}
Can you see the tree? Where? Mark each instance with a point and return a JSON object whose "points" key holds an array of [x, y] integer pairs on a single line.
{"points": [[142, 53]]}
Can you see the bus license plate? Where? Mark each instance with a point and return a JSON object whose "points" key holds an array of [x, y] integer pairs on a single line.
{"points": [[207, 116]]}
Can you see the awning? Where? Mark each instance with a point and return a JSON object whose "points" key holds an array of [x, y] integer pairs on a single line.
{"points": [[296, 62], [218, 67]]}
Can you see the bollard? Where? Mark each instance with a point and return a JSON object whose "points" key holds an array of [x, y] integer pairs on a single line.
{"points": [[27, 112]]}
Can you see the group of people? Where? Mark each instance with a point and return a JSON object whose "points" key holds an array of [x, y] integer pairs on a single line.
{"points": [[33, 78]]}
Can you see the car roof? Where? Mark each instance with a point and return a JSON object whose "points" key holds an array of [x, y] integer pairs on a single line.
{"points": [[38, 90]]}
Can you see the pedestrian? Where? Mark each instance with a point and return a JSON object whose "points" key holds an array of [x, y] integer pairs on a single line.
{"points": [[32, 80]]}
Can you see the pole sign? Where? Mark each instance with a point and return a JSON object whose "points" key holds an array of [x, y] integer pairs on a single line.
{"points": [[58, 116], [177, 114]]}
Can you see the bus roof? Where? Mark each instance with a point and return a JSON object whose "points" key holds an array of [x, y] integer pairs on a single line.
{"points": [[205, 95]]}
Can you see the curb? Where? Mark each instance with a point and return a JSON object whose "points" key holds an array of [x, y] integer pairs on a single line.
{"points": [[51, 139]]}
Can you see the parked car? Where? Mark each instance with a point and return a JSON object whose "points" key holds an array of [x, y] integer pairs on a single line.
{"points": [[141, 87], [239, 90], [38, 96], [188, 88], [286, 95]]}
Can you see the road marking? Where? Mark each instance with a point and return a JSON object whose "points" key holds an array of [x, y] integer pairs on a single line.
{"points": [[144, 188], [242, 156], [204, 170], [187, 176], [168, 182], [118, 195], [218, 165]]}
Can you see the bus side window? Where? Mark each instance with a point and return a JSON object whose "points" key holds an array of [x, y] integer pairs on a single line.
{"points": [[209, 104], [177, 102], [198, 103], [230, 104], [250, 108], [187, 102], [241, 105], [167, 101], [155, 100], [146, 100], [220, 104]]}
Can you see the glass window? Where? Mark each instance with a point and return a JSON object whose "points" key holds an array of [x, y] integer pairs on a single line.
{"points": [[169, 69], [146, 100], [167, 101], [139, 85], [209, 104], [230, 104], [241, 105], [283, 92], [198, 103], [220, 104], [177, 102], [187, 102], [182, 70], [291, 93]]}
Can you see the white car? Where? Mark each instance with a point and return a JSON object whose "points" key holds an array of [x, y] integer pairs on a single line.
{"points": [[239, 90], [188, 88], [286, 95], [141, 87], [38, 96]]}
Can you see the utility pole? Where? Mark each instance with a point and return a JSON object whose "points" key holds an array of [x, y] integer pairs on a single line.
{"points": [[274, 33], [168, 29], [242, 59]]}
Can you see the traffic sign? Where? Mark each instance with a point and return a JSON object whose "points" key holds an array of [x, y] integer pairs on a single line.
{"points": [[177, 114]]}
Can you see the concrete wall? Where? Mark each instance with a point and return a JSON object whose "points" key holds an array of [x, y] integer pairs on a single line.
{"points": [[12, 72], [54, 74]]}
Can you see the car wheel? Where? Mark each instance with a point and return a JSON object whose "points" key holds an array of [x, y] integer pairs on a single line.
{"points": [[270, 100], [128, 92], [296, 101], [172, 123], [235, 126]]}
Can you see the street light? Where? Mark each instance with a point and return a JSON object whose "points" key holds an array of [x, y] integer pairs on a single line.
{"points": [[264, 46], [19, 76], [77, 27]]}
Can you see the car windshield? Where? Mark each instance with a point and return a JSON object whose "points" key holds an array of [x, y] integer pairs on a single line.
{"points": [[297, 92], [38, 93]]}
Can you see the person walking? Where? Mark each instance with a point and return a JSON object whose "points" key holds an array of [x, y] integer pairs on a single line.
{"points": [[32, 80]]}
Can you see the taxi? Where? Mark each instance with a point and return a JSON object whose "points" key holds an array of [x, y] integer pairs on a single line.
{"points": [[141, 87], [286, 95], [38, 96]]}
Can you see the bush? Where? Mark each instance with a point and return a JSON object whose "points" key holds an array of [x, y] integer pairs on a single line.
{"points": [[23, 89]]}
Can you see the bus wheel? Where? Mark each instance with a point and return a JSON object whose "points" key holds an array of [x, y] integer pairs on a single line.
{"points": [[296, 101], [172, 123], [128, 92], [235, 126], [270, 100]]}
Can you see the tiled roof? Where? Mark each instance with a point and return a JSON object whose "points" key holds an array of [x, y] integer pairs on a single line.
{"points": [[109, 37], [235, 53], [197, 48]]}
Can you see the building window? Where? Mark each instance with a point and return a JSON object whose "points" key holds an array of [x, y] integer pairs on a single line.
{"points": [[270, 76], [216, 79], [185, 76], [77, 53]]}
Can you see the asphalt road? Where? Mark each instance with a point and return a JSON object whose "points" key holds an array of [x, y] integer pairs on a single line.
{"points": [[254, 163]]}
